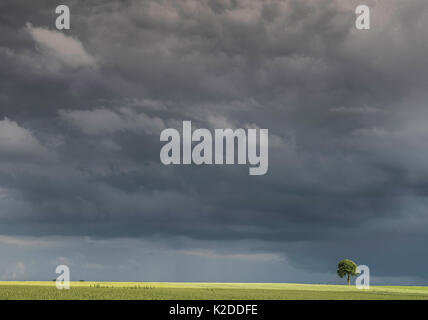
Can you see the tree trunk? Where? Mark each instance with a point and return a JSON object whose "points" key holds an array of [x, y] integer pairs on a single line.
{"points": [[349, 279]]}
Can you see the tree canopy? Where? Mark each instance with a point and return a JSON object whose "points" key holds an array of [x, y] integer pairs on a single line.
{"points": [[347, 268]]}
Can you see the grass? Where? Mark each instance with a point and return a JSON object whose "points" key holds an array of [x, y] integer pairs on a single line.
{"points": [[42, 290]]}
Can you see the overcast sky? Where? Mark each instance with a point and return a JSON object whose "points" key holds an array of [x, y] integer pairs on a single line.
{"points": [[81, 111]]}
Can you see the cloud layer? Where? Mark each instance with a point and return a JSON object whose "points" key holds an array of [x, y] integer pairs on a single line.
{"points": [[82, 110]]}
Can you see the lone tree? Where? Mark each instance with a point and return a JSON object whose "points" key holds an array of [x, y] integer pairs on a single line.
{"points": [[348, 268]]}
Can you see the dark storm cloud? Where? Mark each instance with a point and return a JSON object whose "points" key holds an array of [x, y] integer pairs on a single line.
{"points": [[345, 110]]}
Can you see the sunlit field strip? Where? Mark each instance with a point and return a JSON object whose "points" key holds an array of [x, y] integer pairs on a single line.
{"points": [[219, 285]]}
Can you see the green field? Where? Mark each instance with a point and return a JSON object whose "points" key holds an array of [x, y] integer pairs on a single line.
{"points": [[234, 291]]}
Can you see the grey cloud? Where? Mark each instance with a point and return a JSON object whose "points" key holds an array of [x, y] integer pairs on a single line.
{"points": [[19, 144], [103, 121]]}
